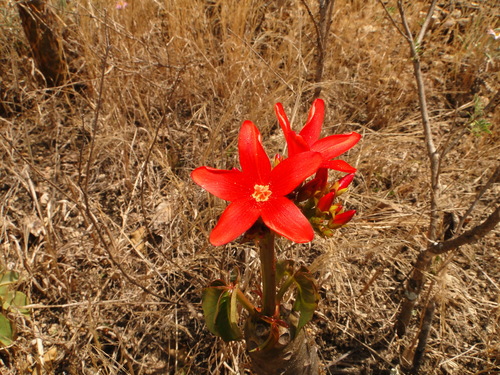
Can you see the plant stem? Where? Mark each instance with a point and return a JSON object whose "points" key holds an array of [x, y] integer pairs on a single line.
{"points": [[268, 271]]}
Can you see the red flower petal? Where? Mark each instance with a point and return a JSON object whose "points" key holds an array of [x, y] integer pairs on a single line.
{"points": [[338, 165], [296, 144], [285, 218], [292, 171], [335, 145], [238, 217], [227, 185], [312, 128], [253, 159], [282, 118]]}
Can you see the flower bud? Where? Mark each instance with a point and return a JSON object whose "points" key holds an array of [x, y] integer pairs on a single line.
{"points": [[325, 202], [335, 209], [327, 232], [341, 219], [341, 185]]}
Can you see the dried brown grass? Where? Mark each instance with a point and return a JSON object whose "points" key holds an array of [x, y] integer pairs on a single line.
{"points": [[116, 287]]}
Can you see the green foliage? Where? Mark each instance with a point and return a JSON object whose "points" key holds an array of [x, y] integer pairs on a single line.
{"points": [[220, 310], [478, 124], [480, 127], [391, 10], [307, 296], [11, 301]]}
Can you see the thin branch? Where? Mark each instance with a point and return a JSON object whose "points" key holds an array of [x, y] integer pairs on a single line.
{"points": [[426, 24], [434, 156], [322, 28], [144, 171], [470, 236], [393, 21], [423, 336], [97, 112], [493, 179]]}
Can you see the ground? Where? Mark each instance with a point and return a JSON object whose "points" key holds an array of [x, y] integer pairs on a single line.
{"points": [[109, 235]]}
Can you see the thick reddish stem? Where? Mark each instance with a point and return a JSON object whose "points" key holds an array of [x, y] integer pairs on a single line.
{"points": [[268, 269]]}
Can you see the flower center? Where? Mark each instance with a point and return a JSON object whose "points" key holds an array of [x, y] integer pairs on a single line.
{"points": [[261, 193]]}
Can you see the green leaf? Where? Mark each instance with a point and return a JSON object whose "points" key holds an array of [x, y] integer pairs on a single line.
{"points": [[7, 334], [219, 304], [233, 316], [9, 277], [210, 303], [4, 292], [226, 321], [307, 296], [19, 301]]}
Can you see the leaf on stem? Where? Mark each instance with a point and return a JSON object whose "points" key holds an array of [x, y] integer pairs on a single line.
{"points": [[219, 308], [307, 296]]}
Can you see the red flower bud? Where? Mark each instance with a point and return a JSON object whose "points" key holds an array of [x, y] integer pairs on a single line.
{"points": [[341, 219], [326, 202], [341, 185]]}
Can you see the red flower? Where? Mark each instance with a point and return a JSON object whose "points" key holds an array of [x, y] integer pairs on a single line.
{"points": [[308, 139], [258, 191]]}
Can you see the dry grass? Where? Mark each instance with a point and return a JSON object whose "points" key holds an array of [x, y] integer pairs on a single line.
{"points": [[110, 235]]}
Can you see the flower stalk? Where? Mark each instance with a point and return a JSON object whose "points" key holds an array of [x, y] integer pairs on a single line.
{"points": [[268, 273]]}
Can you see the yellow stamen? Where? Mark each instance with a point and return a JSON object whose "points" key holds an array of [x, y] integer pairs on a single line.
{"points": [[261, 193]]}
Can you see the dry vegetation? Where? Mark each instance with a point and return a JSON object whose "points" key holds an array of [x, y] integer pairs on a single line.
{"points": [[98, 214]]}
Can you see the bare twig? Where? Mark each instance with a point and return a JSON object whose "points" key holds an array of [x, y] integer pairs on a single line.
{"points": [[426, 23], [144, 170], [495, 177], [393, 21], [432, 152], [470, 236], [322, 29], [417, 280]]}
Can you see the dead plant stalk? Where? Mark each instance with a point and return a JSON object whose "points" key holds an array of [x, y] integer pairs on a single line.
{"points": [[417, 279]]}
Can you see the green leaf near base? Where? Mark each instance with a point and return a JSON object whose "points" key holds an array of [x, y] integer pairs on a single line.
{"points": [[307, 296], [220, 310]]}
